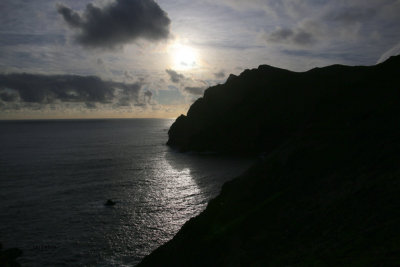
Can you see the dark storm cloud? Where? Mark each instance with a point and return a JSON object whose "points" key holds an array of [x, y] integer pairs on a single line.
{"points": [[298, 37], [118, 23], [195, 90], [219, 75], [71, 17], [174, 76], [47, 89]]}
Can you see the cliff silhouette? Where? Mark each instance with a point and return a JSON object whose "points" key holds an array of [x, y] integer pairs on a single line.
{"points": [[259, 109], [326, 190]]}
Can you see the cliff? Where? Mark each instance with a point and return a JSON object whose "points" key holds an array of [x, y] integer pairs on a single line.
{"points": [[326, 192], [261, 108]]}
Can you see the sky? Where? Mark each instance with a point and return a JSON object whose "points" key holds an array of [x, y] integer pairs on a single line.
{"points": [[152, 59]]}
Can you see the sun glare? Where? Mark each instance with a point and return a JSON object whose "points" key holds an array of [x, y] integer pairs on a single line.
{"points": [[183, 57]]}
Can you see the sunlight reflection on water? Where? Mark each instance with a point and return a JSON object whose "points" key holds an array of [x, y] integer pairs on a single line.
{"points": [[57, 176]]}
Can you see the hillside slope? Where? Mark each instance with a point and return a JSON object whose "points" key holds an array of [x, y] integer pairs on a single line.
{"points": [[327, 191]]}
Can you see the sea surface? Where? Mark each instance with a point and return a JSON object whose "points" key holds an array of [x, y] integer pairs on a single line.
{"points": [[56, 175]]}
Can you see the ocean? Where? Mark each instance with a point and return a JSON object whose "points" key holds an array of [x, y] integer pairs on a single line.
{"points": [[56, 175]]}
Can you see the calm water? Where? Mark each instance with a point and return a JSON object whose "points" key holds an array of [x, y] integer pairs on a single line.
{"points": [[56, 175]]}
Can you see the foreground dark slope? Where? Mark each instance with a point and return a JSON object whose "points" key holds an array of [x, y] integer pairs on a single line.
{"points": [[327, 191]]}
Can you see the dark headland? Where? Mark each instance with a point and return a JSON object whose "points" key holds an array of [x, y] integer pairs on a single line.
{"points": [[326, 191]]}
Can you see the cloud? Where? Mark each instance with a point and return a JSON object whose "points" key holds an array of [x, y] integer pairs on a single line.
{"points": [[8, 96], [91, 105], [322, 26], [118, 23], [71, 17], [53, 89], [351, 15], [13, 39], [332, 55], [128, 75], [195, 90], [175, 76], [394, 51], [299, 37], [147, 97], [219, 75]]}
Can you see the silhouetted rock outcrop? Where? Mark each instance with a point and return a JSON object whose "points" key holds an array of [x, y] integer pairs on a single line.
{"points": [[261, 108], [327, 191], [109, 202]]}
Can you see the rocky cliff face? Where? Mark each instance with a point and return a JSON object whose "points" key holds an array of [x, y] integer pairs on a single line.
{"points": [[261, 108], [326, 192]]}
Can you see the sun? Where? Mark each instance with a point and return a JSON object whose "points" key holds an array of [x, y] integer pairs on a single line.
{"points": [[184, 57]]}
